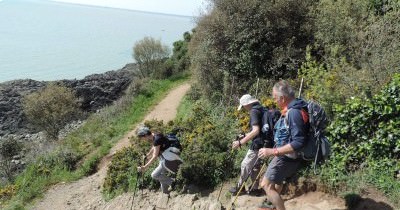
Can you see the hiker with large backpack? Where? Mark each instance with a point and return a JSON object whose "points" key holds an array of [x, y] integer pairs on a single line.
{"points": [[168, 153], [291, 135], [249, 165]]}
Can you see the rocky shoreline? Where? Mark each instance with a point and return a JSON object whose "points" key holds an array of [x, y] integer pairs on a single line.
{"points": [[94, 91]]}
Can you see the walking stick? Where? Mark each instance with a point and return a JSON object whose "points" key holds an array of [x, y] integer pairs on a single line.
{"points": [[258, 175], [138, 173], [143, 162], [244, 182], [258, 80], [136, 186], [301, 86]]}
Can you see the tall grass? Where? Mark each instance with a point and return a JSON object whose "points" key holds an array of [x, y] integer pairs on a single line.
{"points": [[88, 144]]}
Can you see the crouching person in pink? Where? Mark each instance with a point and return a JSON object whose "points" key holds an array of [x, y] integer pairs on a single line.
{"points": [[169, 160]]}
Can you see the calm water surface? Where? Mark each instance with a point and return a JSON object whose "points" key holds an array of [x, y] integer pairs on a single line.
{"points": [[46, 40]]}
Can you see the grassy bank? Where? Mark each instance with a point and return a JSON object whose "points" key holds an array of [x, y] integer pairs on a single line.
{"points": [[79, 153]]}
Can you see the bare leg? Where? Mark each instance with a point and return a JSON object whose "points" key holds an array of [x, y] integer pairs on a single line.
{"points": [[279, 188], [273, 193]]}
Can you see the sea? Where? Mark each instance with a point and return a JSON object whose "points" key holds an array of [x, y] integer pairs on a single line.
{"points": [[46, 40]]}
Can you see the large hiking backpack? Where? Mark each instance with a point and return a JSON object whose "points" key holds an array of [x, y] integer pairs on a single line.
{"points": [[174, 141], [268, 120], [317, 147]]}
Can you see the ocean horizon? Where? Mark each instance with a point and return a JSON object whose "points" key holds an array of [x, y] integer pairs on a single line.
{"points": [[50, 40]]}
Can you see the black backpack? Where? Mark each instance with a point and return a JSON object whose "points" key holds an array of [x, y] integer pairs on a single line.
{"points": [[318, 147], [268, 121], [174, 141]]}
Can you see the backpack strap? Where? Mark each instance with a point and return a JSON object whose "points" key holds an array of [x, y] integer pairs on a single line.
{"points": [[304, 115], [286, 118]]}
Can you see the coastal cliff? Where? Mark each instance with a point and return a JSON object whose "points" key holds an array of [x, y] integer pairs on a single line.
{"points": [[94, 91]]}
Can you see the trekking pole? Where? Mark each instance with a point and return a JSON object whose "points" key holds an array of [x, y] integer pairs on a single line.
{"points": [[258, 80], [136, 186], [134, 192], [261, 169], [258, 175], [316, 156], [138, 173], [244, 182], [301, 86], [143, 162]]}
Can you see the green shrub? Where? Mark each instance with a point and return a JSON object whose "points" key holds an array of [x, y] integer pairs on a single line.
{"points": [[150, 55], [9, 147], [207, 136], [7, 192], [365, 149], [368, 129], [51, 108], [180, 59], [337, 25], [331, 85], [255, 39], [358, 40], [122, 171]]}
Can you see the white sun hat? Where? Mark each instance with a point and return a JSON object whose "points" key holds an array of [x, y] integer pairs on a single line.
{"points": [[246, 100]]}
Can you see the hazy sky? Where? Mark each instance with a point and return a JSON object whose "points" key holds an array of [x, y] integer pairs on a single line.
{"points": [[177, 7]]}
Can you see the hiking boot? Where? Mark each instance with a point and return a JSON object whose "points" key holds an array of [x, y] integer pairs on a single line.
{"points": [[235, 190], [266, 205], [256, 192]]}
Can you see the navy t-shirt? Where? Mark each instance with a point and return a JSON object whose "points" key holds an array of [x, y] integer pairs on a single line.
{"points": [[162, 141], [256, 119]]}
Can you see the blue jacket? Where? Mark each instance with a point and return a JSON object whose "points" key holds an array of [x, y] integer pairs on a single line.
{"points": [[298, 127]]}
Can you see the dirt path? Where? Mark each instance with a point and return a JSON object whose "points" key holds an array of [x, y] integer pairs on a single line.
{"points": [[85, 194]]}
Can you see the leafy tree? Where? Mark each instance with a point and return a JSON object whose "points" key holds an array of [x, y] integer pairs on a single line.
{"points": [[379, 51], [180, 60], [337, 24], [364, 36], [51, 108], [150, 54], [180, 53], [265, 39]]}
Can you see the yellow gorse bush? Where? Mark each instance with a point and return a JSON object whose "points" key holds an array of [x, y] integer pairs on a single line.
{"points": [[8, 191]]}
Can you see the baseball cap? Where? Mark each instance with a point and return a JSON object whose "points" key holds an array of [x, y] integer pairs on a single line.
{"points": [[246, 99]]}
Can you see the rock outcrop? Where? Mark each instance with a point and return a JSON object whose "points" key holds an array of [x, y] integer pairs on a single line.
{"points": [[94, 91]]}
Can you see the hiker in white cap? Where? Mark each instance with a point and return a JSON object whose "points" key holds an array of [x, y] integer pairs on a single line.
{"points": [[253, 106]]}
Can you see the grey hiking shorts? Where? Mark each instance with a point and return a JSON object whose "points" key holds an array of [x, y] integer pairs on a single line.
{"points": [[281, 168]]}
